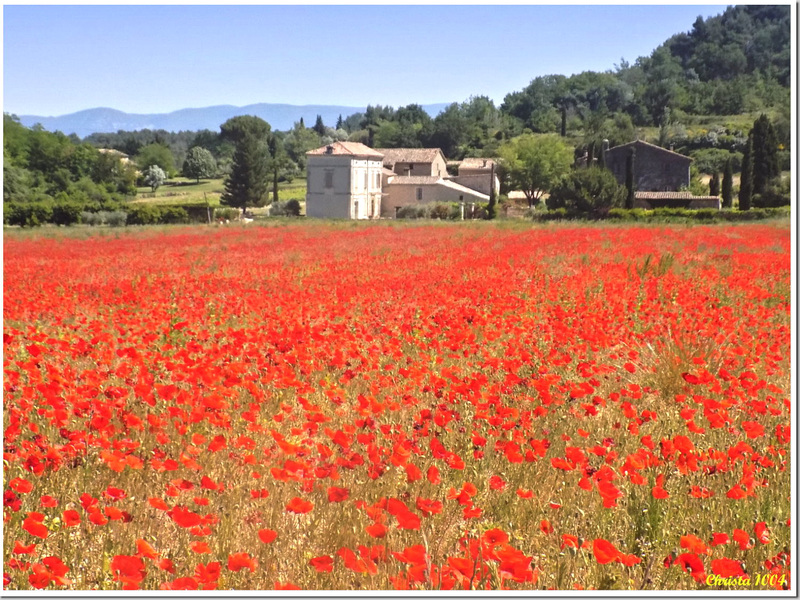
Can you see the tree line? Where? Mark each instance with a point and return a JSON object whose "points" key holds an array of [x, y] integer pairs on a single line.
{"points": [[729, 64]]}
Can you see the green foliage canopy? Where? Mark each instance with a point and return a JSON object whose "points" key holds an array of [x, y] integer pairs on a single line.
{"points": [[535, 163]]}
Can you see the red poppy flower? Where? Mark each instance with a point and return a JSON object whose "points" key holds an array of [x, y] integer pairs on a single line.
{"points": [[145, 550], [762, 532], [322, 564], [604, 551], [71, 518], [299, 506], [241, 560], [20, 549], [337, 494], [694, 544], [35, 528], [199, 547], [376, 530], [719, 539], [267, 535], [727, 567]]}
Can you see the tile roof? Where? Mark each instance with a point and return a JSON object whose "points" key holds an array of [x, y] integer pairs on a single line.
{"points": [[345, 149], [433, 180], [392, 156], [671, 196], [477, 163], [414, 179], [648, 144]]}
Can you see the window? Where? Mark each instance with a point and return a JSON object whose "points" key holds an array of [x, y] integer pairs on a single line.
{"points": [[328, 179], [419, 193], [363, 180]]}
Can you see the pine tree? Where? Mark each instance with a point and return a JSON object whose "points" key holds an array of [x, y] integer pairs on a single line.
{"points": [[630, 180], [248, 182], [727, 185], [746, 184], [713, 185]]}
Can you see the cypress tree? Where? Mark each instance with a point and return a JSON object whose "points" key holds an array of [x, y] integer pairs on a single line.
{"points": [[746, 185], [339, 122], [629, 179], [765, 154], [727, 185], [319, 126], [713, 185], [491, 209]]}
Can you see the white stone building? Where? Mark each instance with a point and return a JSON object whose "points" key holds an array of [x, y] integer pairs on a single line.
{"points": [[348, 180], [344, 182]]}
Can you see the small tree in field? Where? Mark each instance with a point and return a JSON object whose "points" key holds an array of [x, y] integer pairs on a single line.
{"points": [[593, 190], [727, 185], [154, 176], [713, 185], [199, 164], [535, 163], [746, 183]]}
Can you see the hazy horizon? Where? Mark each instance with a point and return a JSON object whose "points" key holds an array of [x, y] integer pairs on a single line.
{"points": [[127, 60]]}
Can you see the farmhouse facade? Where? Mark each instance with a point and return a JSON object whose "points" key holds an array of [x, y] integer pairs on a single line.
{"points": [[344, 181], [655, 169], [348, 180]]}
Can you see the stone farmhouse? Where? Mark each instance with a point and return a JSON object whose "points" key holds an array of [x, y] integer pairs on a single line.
{"points": [[348, 180], [659, 176]]}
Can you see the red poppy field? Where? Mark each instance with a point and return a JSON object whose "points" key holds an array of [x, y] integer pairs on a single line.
{"points": [[454, 407]]}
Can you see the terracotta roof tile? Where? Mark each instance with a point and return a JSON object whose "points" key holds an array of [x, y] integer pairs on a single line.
{"points": [[345, 149], [392, 156], [477, 163]]}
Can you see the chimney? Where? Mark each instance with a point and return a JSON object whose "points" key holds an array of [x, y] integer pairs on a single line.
{"points": [[672, 147], [605, 145], [329, 150]]}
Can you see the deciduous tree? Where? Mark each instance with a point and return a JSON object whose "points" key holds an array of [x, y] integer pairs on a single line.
{"points": [[154, 176], [535, 163], [199, 164]]}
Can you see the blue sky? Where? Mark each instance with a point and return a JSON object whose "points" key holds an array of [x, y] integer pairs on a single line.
{"points": [[152, 59]]}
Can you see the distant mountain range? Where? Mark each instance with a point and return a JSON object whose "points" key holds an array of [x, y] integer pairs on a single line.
{"points": [[280, 117]]}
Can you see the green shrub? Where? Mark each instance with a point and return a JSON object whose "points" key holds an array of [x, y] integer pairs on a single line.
{"points": [[28, 214], [113, 218], [293, 207], [66, 209], [144, 214], [591, 190], [777, 193], [227, 214], [439, 211], [174, 215]]}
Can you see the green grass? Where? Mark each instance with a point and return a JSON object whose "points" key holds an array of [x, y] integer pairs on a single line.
{"points": [[181, 190]]}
